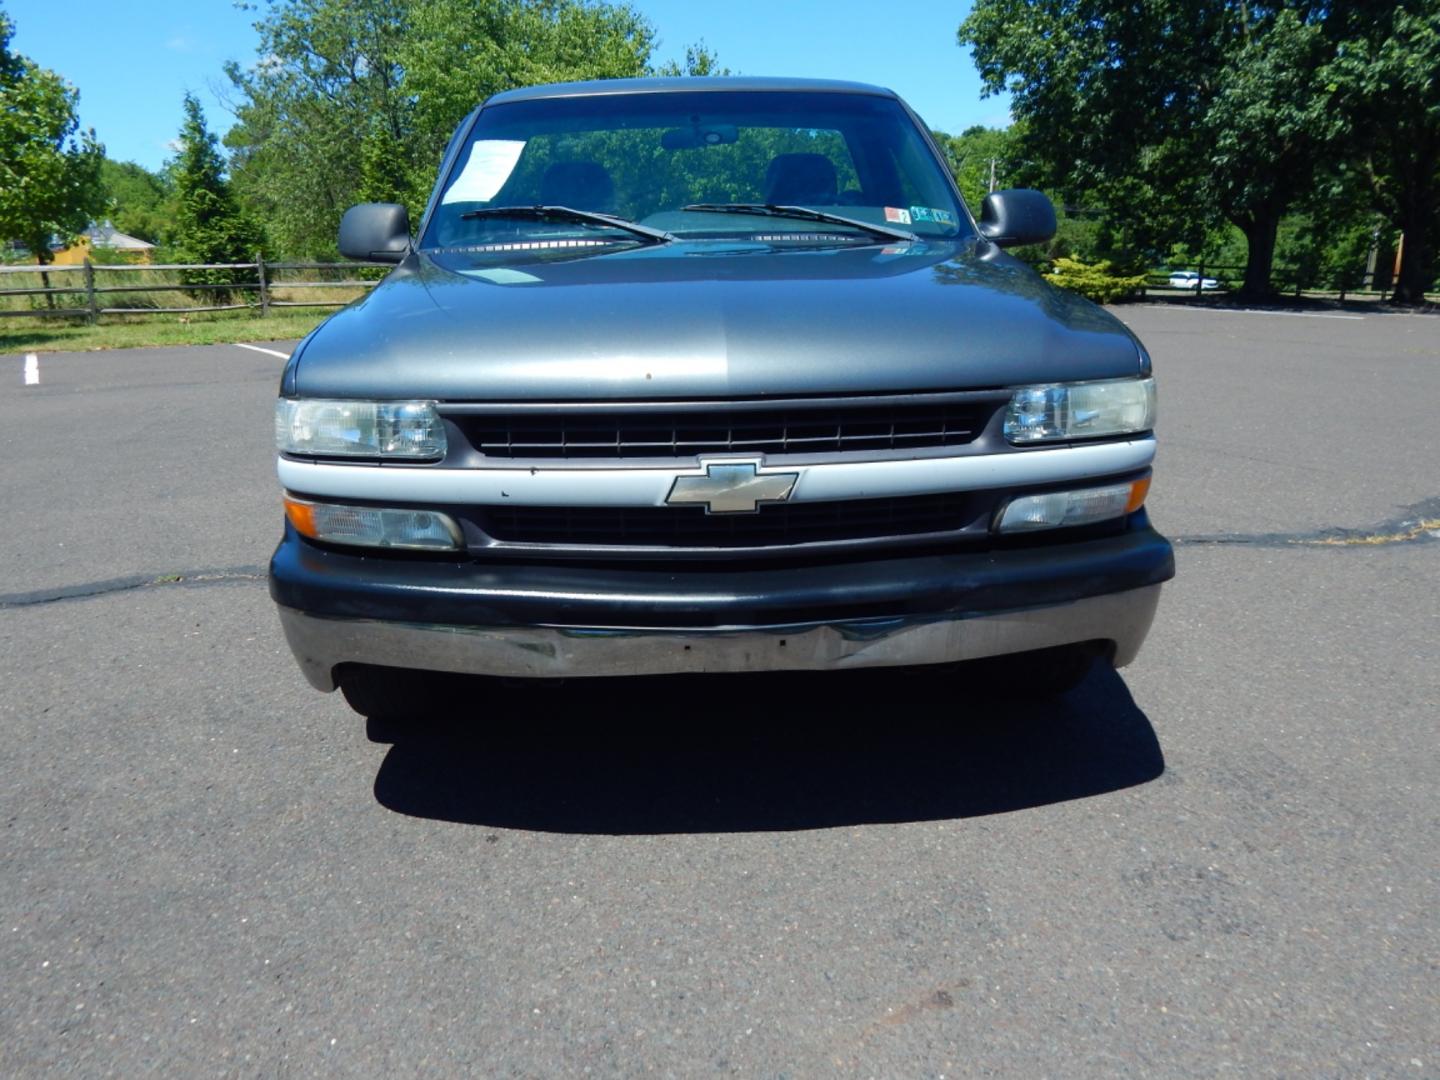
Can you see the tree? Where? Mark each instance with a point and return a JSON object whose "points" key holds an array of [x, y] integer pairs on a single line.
{"points": [[699, 60], [209, 227], [359, 98], [324, 98], [136, 200], [1170, 114], [977, 154], [383, 173], [1266, 126], [1387, 100], [459, 52], [49, 169]]}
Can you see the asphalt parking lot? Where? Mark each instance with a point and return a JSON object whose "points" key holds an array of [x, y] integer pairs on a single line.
{"points": [[1225, 860]]}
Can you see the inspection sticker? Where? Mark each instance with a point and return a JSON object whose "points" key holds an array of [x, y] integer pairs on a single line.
{"points": [[894, 213], [930, 213]]}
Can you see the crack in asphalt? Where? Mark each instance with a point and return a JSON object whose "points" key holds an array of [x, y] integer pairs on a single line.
{"points": [[1420, 523], [90, 590]]}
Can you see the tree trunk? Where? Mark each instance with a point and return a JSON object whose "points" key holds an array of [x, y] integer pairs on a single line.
{"points": [[1414, 257], [43, 257], [1260, 232]]}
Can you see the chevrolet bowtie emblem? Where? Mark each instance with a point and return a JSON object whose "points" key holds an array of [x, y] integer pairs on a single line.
{"points": [[732, 488]]}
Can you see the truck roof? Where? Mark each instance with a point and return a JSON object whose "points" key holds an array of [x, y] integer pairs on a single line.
{"points": [[683, 84]]}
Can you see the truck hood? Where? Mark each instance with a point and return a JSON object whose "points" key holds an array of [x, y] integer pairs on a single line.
{"points": [[709, 320]]}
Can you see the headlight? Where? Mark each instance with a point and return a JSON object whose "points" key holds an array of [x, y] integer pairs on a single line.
{"points": [[1082, 410], [372, 429]]}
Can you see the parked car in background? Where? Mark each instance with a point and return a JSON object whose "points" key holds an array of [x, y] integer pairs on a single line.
{"points": [[1188, 279], [710, 375]]}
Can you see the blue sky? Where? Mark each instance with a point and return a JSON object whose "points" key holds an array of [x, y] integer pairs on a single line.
{"points": [[132, 60]]}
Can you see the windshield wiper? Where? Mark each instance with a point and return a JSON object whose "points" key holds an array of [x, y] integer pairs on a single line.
{"points": [[804, 212], [566, 213]]}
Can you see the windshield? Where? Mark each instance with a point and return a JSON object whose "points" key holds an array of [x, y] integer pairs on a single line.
{"points": [[688, 163]]}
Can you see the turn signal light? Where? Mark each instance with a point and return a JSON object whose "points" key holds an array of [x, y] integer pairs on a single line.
{"points": [[1063, 509], [373, 526]]}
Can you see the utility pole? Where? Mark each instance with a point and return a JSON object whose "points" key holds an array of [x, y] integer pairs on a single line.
{"points": [[992, 173]]}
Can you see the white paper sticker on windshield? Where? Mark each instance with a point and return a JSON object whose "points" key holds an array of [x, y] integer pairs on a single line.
{"points": [[489, 165]]}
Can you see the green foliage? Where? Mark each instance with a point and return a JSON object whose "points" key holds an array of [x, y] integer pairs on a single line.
{"points": [[1323, 245], [1384, 88], [980, 155], [1267, 128], [1094, 281], [1327, 240], [1106, 96], [49, 169], [383, 175], [402, 74], [458, 52], [977, 150], [327, 72], [1179, 116], [1173, 115], [137, 201], [1219, 250], [699, 60], [1265, 120], [209, 227]]}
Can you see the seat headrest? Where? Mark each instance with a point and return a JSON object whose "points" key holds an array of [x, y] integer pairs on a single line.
{"points": [[580, 185], [803, 179]]}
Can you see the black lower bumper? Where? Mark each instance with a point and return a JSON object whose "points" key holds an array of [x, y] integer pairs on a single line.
{"points": [[348, 585]]}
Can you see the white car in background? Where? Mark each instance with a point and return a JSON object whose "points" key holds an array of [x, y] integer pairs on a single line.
{"points": [[1188, 279]]}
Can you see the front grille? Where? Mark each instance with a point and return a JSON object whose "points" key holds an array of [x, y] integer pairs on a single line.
{"points": [[667, 433], [773, 525]]}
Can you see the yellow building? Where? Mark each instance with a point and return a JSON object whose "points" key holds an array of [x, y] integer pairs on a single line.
{"points": [[105, 238]]}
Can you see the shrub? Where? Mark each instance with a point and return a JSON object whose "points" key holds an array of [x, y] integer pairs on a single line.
{"points": [[1095, 281]]}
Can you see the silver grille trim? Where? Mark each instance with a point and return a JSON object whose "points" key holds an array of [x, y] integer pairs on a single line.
{"points": [[546, 485]]}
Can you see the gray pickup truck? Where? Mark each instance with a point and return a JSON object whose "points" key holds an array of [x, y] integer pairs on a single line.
{"points": [[709, 375]]}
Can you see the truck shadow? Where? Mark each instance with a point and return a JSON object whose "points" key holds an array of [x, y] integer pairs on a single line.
{"points": [[760, 753]]}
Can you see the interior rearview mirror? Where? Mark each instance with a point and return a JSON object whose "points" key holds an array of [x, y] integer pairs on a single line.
{"points": [[700, 135]]}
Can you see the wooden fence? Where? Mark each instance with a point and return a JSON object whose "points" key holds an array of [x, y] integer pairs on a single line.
{"points": [[1286, 280], [264, 288]]}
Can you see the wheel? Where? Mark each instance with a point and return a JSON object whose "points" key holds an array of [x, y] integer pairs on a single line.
{"points": [[386, 693]]}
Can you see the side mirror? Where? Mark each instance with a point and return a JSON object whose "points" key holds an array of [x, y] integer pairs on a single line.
{"points": [[375, 232], [1017, 216]]}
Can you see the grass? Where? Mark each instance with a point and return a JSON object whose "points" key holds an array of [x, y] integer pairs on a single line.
{"points": [[125, 332]]}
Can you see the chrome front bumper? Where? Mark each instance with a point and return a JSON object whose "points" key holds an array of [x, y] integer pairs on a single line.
{"points": [[322, 643]]}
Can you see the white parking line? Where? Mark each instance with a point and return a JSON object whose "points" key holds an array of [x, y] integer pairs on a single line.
{"points": [[1260, 311], [32, 369], [258, 348]]}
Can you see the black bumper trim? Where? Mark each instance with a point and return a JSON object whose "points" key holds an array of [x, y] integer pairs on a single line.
{"points": [[335, 584]]}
